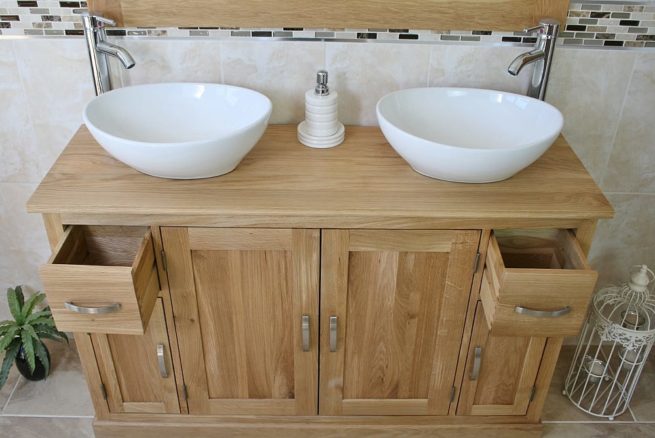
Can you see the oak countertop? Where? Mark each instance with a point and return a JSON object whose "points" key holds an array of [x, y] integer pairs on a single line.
{"points": [[362, 183]]}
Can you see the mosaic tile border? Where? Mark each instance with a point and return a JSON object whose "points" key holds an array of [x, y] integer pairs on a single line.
{"points": [[590, 24]]}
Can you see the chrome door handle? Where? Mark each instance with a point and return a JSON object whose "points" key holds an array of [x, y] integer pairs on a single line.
{"points": [[542, 313], [161, 360], [333, 333], [305, 333], [89, 310], [477, 363]]}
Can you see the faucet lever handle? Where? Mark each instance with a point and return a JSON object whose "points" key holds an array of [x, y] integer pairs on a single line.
{"points": [[105, 21], [534, 28]]}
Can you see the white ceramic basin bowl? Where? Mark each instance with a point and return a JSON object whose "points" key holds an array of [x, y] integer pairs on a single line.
{"points": [[467, 135], [179, 130]]}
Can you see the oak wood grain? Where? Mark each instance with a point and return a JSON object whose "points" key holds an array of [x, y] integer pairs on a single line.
{"points": [[99, 266], [170, 321], [413, 14], [399, 309], [540, 270], [308, 427], [94, 382], [54, 228], [509, 367], [238, 313], [470, 320], [361, 184], [130, 370]]}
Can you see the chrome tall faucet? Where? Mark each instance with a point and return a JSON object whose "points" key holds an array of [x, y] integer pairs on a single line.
{"points": [[99, 48], [542, 54]]}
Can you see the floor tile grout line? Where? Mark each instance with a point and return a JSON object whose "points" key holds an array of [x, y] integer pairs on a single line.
{"points": [[11, 394], [634, 417]]}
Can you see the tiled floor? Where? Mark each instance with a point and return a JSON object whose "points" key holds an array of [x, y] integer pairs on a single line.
{"points": [[61, 407]]}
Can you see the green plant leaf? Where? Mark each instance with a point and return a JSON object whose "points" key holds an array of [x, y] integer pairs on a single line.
{"points": [[4, 328], [63, 335], [51, 333], [33, 301], [42, 354], [28, 347], [8, 337], [14, 298], [43, 319], [10, 355], [20, 295], [50, 336], [29, 329]]}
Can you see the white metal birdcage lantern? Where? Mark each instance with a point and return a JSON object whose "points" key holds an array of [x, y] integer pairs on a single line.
{"points": [[613, 347]]}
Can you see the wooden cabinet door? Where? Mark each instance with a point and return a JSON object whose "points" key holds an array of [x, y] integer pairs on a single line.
{"points": [[137, 369], [392, 318], [501, 374], [239, 298]]}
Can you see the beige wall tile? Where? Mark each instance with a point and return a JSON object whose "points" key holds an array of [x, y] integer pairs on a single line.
{"points": [[588, 87], [363, 73], [17, 139], [22, 239], [477, 67], [632, 163], [283, 71], [57, 84], [169, 61], [626, 240]]}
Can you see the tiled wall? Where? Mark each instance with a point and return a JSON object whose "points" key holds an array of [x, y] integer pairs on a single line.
{"points": [[607, 97], [616, 24]]}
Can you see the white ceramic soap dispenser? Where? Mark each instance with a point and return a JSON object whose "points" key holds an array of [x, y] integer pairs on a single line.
{"points": [[321, 128]]}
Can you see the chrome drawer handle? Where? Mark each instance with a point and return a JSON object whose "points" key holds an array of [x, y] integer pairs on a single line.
{"points": [[161, 360], [333, 333], [111, 308], [477, 363], [542, 313], [305, 332]]}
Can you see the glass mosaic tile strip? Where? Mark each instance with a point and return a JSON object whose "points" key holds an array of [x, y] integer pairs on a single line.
{"points": [[589, 24]]}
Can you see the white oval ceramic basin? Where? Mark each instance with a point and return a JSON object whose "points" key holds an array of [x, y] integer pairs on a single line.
{"points": [[467, 135], [179, 130]]}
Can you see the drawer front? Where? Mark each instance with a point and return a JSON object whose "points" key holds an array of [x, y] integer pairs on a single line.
{"points": [[536, 285], [102, 280], [563, 316]]}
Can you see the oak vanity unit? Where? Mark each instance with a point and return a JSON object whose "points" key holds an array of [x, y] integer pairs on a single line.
{"points": [[317, 292]]}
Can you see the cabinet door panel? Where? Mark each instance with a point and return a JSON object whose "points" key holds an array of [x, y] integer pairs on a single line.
{"points": [[508, 367], [238, 298], [130, 369], [398, 297]]}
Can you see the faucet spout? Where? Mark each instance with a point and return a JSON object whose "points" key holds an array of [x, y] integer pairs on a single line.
{"points": [[99, 48], [112, 49], [524, 59], [541, 55]]}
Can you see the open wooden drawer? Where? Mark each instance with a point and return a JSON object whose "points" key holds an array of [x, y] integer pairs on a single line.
{"points": [[536, 283], [102, 279]]}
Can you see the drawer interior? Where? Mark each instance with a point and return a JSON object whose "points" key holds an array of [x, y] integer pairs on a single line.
{"points": [[539, 249], [102, 246]]}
